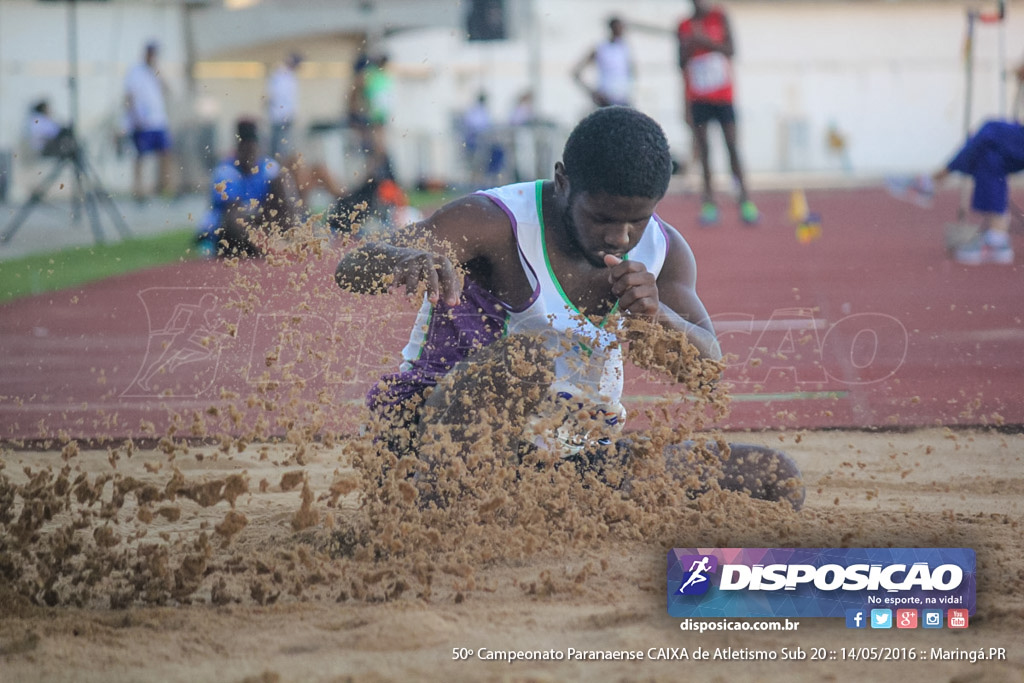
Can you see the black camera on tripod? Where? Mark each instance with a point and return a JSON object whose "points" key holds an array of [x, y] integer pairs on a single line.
{"points": [[62, 146]]}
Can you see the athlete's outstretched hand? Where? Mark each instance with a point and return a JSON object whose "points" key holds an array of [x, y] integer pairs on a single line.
{"points": [[436, 273], [635, 287]]}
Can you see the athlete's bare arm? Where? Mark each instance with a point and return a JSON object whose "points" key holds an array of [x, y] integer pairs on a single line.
{"points": [[671, 299], [726, 47], [430, 252], [577, 71]]}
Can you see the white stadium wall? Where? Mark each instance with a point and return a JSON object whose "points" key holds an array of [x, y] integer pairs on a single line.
{"points": [[887, 76]]}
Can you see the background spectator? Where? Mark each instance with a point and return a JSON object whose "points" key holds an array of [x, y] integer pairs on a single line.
{"points": [[146, 118]]}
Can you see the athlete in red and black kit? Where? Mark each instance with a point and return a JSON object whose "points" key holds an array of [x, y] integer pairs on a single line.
{"points": [[705, 57]]}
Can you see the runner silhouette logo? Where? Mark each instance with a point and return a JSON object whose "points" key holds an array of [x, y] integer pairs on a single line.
{"points": [[697, 579]]}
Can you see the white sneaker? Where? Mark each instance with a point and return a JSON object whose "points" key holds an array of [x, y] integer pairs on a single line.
{"points": [[918, 190], [978, 252]]}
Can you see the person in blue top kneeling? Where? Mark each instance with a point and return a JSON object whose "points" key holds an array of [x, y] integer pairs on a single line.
{"points": [[252, 197]]}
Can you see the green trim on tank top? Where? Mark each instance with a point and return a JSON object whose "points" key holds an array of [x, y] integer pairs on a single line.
{"points": [[551, 273]]}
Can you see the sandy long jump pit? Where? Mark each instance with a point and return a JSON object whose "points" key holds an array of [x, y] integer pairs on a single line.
{"points": [[252, 533]]}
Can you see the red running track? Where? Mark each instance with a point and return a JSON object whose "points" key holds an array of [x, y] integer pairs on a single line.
{"points": [[869, 326]]}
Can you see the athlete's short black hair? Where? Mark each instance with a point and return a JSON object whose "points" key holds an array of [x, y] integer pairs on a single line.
{"points": [[618, 151]]}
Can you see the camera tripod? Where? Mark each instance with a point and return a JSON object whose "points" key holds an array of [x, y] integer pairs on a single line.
{"points": [[87, 191]]}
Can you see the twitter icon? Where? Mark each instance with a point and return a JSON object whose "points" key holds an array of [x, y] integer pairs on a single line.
{"points": [[881, 618]]}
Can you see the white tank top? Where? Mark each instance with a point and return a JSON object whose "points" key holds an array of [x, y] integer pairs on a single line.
{"points": [[592, 357], [613, 68]]}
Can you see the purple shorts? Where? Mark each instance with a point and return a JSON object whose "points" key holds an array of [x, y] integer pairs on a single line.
{"points": [[148, 141]]}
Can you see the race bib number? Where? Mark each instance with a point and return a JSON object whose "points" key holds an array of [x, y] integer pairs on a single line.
{"points": [[708, 72]]}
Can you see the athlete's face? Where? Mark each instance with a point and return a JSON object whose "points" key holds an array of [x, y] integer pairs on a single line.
{"points": [[600, 224]]}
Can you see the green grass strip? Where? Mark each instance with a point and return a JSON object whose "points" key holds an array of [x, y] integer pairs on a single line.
{"points": [[53, 271]]}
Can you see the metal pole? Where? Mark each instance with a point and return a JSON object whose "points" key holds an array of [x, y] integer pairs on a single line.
{"points": [[73, 62], [539, 135], [1002, 58], [968, 72], [534, 46], [962, 210]]}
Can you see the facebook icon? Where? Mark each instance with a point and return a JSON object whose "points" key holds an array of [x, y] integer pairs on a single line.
{"points": [[856, 618]]}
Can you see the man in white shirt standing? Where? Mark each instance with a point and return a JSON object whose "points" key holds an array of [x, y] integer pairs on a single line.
{"points": [[146, 118], [282, 106], [614, 68]]}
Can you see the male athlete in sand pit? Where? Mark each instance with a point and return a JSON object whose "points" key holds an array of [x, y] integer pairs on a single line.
{"points": [[520, 282]]}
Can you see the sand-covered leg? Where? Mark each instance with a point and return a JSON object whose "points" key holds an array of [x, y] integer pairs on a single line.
{"points": [[492, 392], [760, 472], [480, 408]]}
